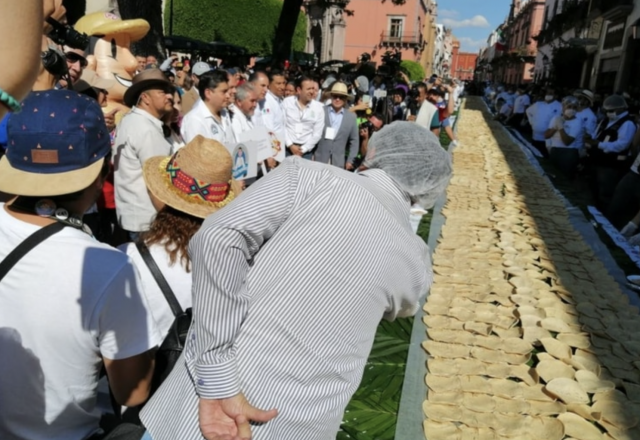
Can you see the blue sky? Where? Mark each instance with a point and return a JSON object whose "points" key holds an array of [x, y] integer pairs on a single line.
{"points": [[472, 20]]}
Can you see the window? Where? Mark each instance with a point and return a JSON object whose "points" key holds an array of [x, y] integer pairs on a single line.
{"points": [[395, 27]]}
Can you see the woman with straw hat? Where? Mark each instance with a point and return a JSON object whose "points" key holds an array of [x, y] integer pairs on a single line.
{"points": [[185, 188]]}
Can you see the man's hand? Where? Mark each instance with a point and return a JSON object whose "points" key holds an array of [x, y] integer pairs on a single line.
{"points": [[348, 166], [295, 149], [411, 118], [110, 119], [228, 419], [271, 163]]}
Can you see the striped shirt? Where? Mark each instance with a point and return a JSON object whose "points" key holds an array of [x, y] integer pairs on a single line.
{"points": [[290, 282]]}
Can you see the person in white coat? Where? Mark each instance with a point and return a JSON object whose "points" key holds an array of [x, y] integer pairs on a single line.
{"points": [[540, 115]]}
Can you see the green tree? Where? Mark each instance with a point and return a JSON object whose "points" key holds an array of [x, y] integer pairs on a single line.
{"points": [[247, 23], [414, 70]]}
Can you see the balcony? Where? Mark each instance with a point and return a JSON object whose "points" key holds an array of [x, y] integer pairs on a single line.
{"points": [[611, 9], [404, 40]]}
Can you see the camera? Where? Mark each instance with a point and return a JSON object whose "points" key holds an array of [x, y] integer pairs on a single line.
{"points": [[368, 125], [65, 35], [390, 63]]}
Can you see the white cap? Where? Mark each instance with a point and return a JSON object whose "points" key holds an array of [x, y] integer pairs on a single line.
{"points": [[200, 67]]}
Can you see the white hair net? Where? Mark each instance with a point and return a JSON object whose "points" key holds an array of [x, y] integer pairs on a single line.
{"points": [[413, 157]]}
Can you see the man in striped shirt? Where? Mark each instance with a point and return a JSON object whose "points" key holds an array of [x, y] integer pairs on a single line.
{"points": [[290, 282]]}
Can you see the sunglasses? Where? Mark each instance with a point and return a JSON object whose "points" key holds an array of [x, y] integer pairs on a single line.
{"points": [[73, 58], [340, 97]]}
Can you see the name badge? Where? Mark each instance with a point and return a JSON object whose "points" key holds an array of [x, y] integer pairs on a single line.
{"points": [[330, 133]]}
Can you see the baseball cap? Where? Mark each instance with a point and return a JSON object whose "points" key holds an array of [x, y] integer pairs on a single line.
{"points": [[56, 145], [200, 67]]}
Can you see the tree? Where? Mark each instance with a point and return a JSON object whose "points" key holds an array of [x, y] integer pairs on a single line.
{"points": [[150, 10], [247, 23], [414, 70]]}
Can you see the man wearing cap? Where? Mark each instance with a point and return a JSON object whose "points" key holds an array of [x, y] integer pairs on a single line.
{"points": [[340, 134], [585, 114], [265, 337], [609, 151], [304, 119], [210, 117], [139, 137], [69, 305]]}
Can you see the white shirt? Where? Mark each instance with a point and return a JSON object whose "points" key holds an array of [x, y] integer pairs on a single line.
{"points": [[139, 136], [240, 123], [200, 121], [178, 278], [66, 304], [521, 103], [303, 126], [540, 115], [573, 127], [625, 136], [589, 120], [273, 115]]}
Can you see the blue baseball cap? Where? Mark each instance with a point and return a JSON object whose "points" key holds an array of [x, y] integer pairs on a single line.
{"points": [[56, 145]]}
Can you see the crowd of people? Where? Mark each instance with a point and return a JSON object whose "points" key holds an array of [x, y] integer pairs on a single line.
{"points": [[126, 224], [585, 135]]}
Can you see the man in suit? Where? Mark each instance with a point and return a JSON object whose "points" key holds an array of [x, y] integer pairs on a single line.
{"points": [[340, 133]]}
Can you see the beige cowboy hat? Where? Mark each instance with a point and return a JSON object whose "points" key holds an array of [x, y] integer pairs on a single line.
{"points": [[195, 180], [146, 80], [340, 88], [108, 23]]}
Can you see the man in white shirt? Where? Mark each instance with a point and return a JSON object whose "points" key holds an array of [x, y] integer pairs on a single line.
{"points": [[520, 105], [540, 115], [243, 109], [271, 108], [139, 136], [304, 119], [70, 305], [588, 117], [427, 113], [209, 117]]}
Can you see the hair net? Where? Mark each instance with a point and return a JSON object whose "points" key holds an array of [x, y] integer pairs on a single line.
{"points": [[363, 84], [614, 102], [570, 100], [413, 157]]}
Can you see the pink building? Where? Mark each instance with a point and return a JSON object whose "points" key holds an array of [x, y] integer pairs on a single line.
{"points": [[524, 22], [377, 27]]}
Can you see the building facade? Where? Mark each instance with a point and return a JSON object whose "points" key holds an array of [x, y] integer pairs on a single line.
{"points": [[463, 65], [429, 35], [326, 27], [376, 27]]}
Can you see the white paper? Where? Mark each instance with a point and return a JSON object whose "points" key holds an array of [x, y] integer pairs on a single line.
{"points": [[269, 144], [245, 159], [330, 133]]}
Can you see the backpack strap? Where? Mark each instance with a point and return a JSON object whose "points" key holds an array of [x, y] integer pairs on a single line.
{"points": [[160, 279], [27, 245]]}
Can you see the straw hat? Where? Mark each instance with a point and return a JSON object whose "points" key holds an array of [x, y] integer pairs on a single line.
{"points": [[145, 80], [107, 23], [339, 88], [196, 180], [584, 93]]}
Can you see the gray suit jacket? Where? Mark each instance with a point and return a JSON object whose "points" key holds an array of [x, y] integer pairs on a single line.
{"points": [[347, 136]]}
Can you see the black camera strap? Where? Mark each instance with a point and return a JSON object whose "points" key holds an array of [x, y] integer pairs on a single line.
{"points": [[160, 279], [27, 245]]}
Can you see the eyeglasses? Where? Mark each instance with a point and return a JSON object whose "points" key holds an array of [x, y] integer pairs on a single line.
{"points": [[340, 97], [73, 58]]}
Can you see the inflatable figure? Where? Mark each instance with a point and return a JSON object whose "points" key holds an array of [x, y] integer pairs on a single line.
{"points": [[109, 52]]}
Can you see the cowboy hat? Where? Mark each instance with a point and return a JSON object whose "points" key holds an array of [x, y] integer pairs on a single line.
{"points": [[107, 23], [195, 180], [584, 93], [339, 88], [146, 80]]}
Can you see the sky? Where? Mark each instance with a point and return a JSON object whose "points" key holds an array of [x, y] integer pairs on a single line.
{"points": [[472, 20]]}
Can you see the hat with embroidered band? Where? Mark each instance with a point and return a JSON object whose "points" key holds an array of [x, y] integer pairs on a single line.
{"points": [[195, 180], [146, 80], [56, 145], [340, 89]]}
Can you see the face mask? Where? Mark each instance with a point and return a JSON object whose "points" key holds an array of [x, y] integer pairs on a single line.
{"points": [[548, 98], [569, 113], [612, 115]]}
